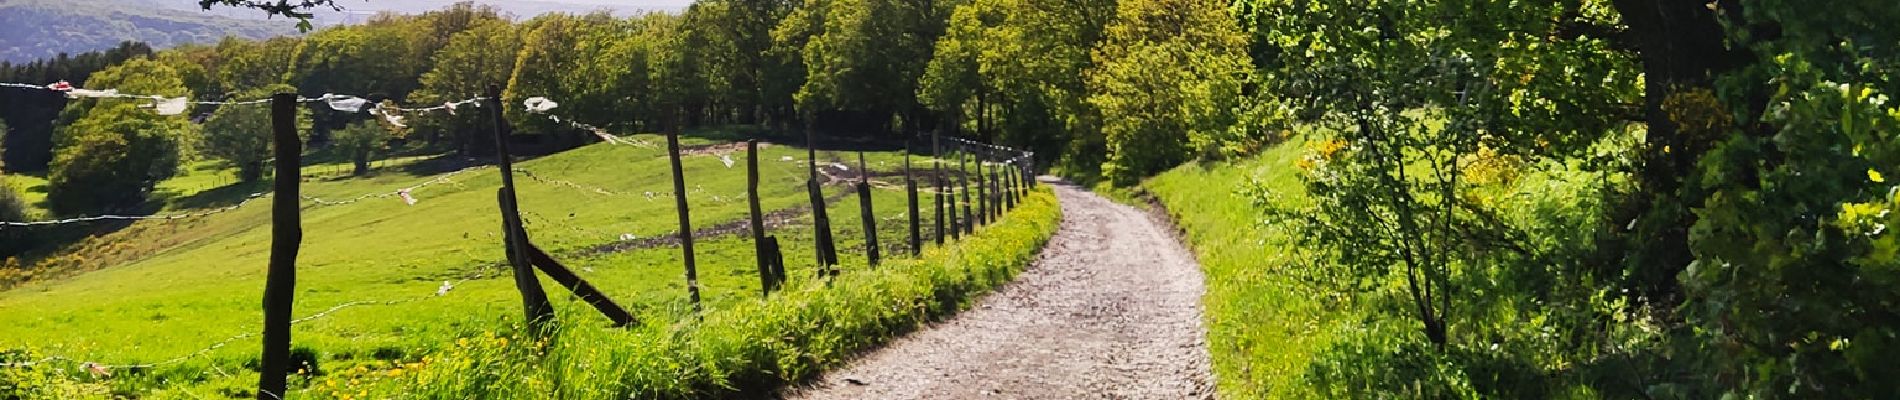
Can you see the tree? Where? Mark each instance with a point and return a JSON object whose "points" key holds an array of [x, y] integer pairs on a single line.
{"points": [[360, 140], [248, 65], [33, 113], [1013, 71], [542, 68], [241, 134], [1786, 157], [743, 71], [863, 59], [117, 150], [1168, 75], [466, 65]]}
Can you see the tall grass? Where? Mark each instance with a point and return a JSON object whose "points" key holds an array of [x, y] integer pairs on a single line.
{"points": [[1264, 328]]}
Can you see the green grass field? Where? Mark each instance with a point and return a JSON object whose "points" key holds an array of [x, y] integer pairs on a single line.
{"points": [[163, 291], [1263, 328]]}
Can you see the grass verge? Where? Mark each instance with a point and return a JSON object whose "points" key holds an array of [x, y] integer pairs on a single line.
{"points": [[746, 349], [1263, 327]]}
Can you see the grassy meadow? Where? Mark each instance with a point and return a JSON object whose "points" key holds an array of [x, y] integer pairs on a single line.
{"points": [[162, 292]]}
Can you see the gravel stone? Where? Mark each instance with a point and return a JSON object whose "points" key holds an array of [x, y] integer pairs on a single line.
{"points": [[1109, 310]]}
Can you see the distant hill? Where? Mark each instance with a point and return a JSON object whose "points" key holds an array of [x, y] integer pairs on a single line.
{"points": [[34, 29]]}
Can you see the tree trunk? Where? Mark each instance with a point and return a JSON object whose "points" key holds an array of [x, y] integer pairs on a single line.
{"points": [[362, 163], [1683, 48], [251, 171]]}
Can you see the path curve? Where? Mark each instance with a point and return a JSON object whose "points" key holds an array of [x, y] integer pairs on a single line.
{"points": [[1110, 309]]}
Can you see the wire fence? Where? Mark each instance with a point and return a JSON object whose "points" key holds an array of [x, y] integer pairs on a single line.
{"points": [[1000, 175]]}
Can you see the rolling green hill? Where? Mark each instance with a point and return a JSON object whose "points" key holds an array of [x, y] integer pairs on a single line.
{"points": [[369, 271]]}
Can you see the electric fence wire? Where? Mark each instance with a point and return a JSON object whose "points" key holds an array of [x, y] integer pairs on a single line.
{"points": [[105, 368]]}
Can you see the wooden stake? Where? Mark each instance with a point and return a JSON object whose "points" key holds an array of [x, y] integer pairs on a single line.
{"points": [[910, 189], [766, 281], [943, 187], [821, 219], [865, 211], [686, 219], [585, 291], [534, 301], [982, 193], [280, 281], [963, 177]]}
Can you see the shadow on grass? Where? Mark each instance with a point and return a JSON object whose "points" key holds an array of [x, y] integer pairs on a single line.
{"points": [[216, 197]]}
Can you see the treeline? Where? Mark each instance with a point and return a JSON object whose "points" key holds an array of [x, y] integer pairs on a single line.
{"points": [[1080, 79], [1598, 199]]}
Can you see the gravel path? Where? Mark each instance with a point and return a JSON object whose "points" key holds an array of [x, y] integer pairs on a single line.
{"points": [[1110, 309]]}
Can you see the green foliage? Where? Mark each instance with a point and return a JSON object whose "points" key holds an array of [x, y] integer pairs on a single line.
{"points": [[248, 65], [546, 58], [365, 61], [360, 140], [1167, 80], [241, 134], [470, 61], [1795, 277], [113, 154], [1013, 71], [865, 56]]}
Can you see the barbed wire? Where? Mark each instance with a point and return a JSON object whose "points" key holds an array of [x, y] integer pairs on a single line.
{"points": [[104, 368], [112, 217]]}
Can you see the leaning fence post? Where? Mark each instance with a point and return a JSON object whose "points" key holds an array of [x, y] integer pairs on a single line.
{"points": [[686, 220], [758, 216], [534, 301], [280, 281], [864, 209], [821, 220], [910, 189]]}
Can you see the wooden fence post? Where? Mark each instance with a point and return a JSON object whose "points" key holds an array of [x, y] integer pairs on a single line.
{"points": [[910, 189], [686, 219], [585, 291], [821, 220], [864, 209], [534, 301], [280, 281], [982, 192], [777, 260], [963, 173], [942, 186], [1000, 192], [1009, 186], [766, 278], [1022, 176]]}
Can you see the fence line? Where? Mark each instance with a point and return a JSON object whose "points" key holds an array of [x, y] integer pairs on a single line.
{"points": [[988, 195]]}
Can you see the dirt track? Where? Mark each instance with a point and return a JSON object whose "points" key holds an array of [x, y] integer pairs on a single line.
{"points": [[1110, 309]]}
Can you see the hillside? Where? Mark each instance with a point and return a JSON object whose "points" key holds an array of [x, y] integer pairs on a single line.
{"points": [[174, 287], [35, 29]]}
